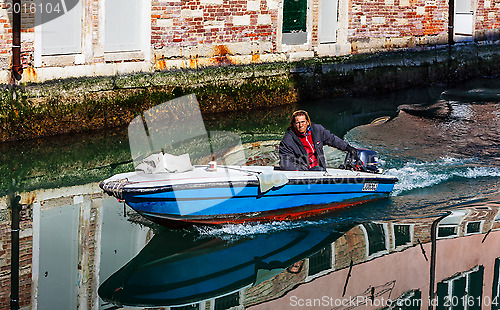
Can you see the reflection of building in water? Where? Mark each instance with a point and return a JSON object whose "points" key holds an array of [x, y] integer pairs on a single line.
{"points": [[25, 255], [389, 263], [72, 240]]}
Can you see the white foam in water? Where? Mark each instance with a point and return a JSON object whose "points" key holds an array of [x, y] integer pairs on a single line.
{"points": [[462, 111], [411, 176], [415, 175], [479, 172], [235, 231]]}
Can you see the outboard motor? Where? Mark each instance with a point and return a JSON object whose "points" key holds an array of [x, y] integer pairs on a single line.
{"points": [[369, 162]]}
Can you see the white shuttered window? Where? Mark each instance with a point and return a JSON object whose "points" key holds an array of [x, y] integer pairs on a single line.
{"points": [[464, 17], [62, 35], [328, 21], [122, 25]]}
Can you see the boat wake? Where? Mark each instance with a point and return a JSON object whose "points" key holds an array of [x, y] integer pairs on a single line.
{"points": [[434, 146], [424, 189], [415, 175], [232, 232], [430, 132]]}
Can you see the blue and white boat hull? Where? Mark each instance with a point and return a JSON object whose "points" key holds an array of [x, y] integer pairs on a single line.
{"points": [[238, 194]]}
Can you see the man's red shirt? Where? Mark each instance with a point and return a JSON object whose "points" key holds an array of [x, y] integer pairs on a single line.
{"points": [[308, 143]]}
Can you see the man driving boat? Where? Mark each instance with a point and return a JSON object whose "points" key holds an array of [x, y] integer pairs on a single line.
{"points": [[302, 146]]}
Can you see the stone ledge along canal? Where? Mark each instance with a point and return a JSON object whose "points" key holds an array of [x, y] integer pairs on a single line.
{"points": [[432, 243]]}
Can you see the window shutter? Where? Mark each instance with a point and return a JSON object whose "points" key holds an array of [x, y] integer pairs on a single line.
{"points": [[328, 21], [62, 35], [294, 15], [122, 25]]}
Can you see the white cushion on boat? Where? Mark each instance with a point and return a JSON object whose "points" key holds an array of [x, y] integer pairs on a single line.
{"points": [[151, 164], [270, 180], [162, 163], [181, 163]]}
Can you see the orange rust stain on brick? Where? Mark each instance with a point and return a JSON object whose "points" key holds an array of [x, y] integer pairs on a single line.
{"points": [[193, 62], [221, 50], [30, 199], [30, 74], [161, 65], [220, 55]]}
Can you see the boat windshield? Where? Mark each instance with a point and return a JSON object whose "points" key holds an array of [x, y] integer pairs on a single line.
{"points": [[176, 127]]}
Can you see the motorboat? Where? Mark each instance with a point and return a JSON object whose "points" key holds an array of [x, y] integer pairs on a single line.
{"points": [[236, 194], [169, 189]]}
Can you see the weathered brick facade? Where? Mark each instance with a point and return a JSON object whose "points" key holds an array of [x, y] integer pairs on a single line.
{"points": [[398, 18], [487, 21], [217, 22], [196, 33], [213, 32]]}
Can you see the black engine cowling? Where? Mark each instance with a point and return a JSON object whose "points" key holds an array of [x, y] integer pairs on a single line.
{"points": [[368, 162]]}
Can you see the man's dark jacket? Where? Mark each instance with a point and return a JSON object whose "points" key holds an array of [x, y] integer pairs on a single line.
{"points": [[293, 155]]}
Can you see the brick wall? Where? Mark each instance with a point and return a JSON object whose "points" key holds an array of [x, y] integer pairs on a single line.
{"points": [[213, 22], [397, 18], [5, 35], [315, 25], [487, 19], [98, 56], [209, 32], [351, 246]]}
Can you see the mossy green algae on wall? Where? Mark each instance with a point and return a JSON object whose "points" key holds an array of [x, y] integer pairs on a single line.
{"points": [[95, 103], [84, 104]]}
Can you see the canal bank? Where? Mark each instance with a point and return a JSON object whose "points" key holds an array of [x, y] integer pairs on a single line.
{"points": [[84, 104], [72, 238]]}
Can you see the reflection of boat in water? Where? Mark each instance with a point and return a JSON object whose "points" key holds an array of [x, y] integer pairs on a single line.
{"points": [[168, 188], [188, 271], [408, 261]]}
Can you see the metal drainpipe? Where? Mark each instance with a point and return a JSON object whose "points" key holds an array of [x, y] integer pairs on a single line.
{"points": [[17, 68], [451, 31], [14, 265], [451, 21]]}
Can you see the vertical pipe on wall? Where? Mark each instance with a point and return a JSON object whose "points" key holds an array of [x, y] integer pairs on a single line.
{"points": [[14, 265], [451, 21], [432, 276], [17, 68], [451, 33]]}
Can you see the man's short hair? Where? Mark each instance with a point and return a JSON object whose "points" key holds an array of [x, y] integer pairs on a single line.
{"points": [[298, 113]]}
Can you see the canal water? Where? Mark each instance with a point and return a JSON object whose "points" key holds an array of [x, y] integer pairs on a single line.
{"points": [[435, 241]]}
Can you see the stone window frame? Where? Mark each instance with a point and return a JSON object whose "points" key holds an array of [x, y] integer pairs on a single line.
{"points": [[451, 282], [307, 46], [393, 236], [326, 271], [454, 220], [61, 60], [241, 299], [385, 228], [481, 225], [145, 53], [341, 46]]}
